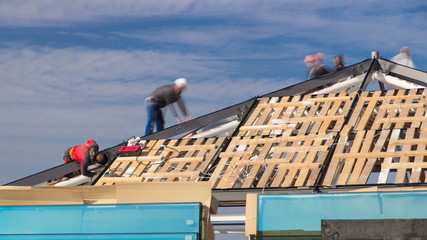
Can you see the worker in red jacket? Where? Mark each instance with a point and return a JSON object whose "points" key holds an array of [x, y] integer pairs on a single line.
{"points": [[86, 154]]}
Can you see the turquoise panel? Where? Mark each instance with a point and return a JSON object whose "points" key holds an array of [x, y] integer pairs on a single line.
{"points": [[305, 211], [103, 236], [73, 220]]}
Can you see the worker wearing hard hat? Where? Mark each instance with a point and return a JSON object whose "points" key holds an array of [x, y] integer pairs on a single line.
{"points": [[86, 154], [315, 67], [164, 96]]}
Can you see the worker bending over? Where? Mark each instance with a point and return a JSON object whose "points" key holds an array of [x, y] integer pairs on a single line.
{"points": [[165, 96], [86, 154]]}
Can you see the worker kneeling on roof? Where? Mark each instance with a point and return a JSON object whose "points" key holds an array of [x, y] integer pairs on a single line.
{"points": [[86, 154]]}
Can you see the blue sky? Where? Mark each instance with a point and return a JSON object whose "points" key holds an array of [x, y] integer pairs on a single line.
{"points": [[73, 70]]}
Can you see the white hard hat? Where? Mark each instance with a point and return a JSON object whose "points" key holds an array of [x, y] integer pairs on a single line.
{"points": [[182, 82]]}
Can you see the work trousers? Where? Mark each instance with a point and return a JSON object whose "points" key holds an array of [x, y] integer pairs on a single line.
{"points": [[154, 116]]}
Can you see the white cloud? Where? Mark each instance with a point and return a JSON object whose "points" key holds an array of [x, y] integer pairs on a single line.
{"points": [[369, 25], [55, 12], [77, 72]]}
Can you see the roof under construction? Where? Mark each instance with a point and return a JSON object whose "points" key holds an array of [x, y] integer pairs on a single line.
{"points": [[311, 134], [361, 127]]}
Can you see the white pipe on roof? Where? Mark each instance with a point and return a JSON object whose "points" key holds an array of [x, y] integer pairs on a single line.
{"points": [[394, 82], [230, 126], [76, 181], [338, 87]]}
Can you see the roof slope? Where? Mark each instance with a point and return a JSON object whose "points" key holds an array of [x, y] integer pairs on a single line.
{"points": [[326, 135], [323, 131]]}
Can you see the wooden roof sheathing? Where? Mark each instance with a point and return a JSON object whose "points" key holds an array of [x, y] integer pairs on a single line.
{"points": [[284, 142], [390, 109], [385, 141], [165, 161], [298, 141], [298, 115]]}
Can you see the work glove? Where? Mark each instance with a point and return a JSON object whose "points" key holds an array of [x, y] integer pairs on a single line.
{"points": [[89, 174]]}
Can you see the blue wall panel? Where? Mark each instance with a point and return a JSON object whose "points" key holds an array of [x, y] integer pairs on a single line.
{"points": [[103, 237], [111, 221], [305, 211]]}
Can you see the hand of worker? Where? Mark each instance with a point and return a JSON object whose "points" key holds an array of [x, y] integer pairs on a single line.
{"points": [[188, 118]]}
